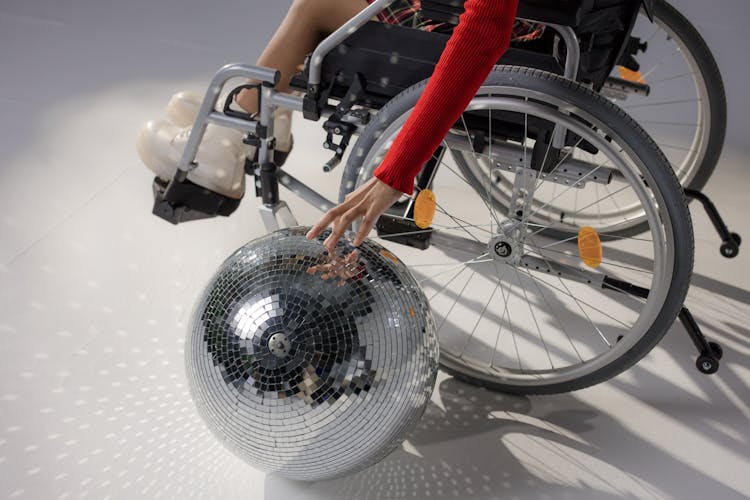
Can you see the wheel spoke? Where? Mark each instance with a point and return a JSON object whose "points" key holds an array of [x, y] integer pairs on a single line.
{"points": [[583, 178], [556, 316], [456, 300], [561, 161], [479, 320], [533, 317], [506, 310], [675, 77], [475, 260], [471, 148], [651, 104], [660, 62], [580, 301], [676, 124], [607, 262]]}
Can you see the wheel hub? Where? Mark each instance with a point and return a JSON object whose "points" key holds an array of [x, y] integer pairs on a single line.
{"points": [[506, 246], [503, 249], [279, 345]]}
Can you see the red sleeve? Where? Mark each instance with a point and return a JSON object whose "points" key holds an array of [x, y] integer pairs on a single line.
{"points": [[481, 37]]}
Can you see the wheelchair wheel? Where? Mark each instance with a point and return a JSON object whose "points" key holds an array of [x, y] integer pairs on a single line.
{"points": [[685, 111], [516, 309]]}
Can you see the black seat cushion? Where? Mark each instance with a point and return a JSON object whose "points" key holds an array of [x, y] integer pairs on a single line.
{"points": [[392, 58]]}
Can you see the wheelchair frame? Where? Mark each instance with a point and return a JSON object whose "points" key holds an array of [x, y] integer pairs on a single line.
{"points": [[268, 175], [270, 99]]}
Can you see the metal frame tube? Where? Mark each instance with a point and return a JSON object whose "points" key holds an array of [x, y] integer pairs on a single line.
{"points": [[304, 191], [289, 101], [206, 113], [572, 63], [573, 50], [341, 34]]}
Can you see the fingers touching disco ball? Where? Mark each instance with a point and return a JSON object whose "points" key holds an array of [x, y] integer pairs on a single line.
{"points": [[309, 366]]}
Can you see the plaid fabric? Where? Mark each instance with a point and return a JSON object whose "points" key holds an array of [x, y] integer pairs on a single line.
{"points": [[524, 31], [407, 13]]}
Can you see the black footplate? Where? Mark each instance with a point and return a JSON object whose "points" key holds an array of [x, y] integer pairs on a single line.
{"points": [[403, 231], [188, 201]]}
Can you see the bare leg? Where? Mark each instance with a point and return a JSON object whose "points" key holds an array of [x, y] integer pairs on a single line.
{"points": [[305, 25]]}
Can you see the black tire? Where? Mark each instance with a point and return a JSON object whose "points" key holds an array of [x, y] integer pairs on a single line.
{"points": [[650, 156]]}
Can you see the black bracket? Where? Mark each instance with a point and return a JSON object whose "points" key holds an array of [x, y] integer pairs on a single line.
{"points": [[709, 352], [730, 242], [233, 94], [335, 125], [403, 231]]}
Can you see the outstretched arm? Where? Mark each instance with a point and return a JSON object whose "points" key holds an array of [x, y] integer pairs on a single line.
{"points": [[481, 37]]}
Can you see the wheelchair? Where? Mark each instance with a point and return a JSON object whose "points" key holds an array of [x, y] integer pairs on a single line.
{"points": [[560, 249]]}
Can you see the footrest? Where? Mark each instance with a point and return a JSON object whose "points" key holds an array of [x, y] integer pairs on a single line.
{"points": [[403, 231], [188, 201]]}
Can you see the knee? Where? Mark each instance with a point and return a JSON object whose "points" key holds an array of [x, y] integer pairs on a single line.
{"points": [[306, 8], [325, 15]]}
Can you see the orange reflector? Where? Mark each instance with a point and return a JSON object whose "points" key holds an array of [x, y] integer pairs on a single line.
{"points": [[590, 246], [424, 209], [385, 253], [630, 75]]}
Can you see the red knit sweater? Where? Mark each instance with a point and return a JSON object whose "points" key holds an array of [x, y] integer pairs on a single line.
{"points": [[481, 37]]}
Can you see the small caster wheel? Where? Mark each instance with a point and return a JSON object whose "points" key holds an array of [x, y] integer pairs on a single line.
{"points": [[707, 364], [717, 350], [731, 248]]}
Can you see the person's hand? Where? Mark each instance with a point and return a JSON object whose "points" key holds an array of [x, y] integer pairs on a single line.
{"points": [[367, 201], [341, 268]]}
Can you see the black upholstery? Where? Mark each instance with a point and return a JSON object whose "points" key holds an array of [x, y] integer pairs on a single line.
{"points": [[565, 12], [391, 58], [603, 26]]}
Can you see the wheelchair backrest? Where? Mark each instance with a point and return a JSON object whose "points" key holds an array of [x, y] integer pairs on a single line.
{"points": [[602, 26], [571, 13]]}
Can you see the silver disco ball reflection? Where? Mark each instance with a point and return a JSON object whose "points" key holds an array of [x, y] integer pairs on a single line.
{"points": [[310, 367]]}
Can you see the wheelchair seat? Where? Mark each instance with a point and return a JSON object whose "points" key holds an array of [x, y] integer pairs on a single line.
{"points": [[385, 59], [391, 58]]}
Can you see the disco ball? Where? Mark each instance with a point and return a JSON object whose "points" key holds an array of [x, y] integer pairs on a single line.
{"points": [[307, 366]]}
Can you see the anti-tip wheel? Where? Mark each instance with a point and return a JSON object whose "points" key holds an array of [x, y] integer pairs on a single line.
{"points": [[707, 364], [730, 249]]}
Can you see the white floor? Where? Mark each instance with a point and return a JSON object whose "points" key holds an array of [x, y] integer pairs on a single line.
{"points": [[95, 294]]}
